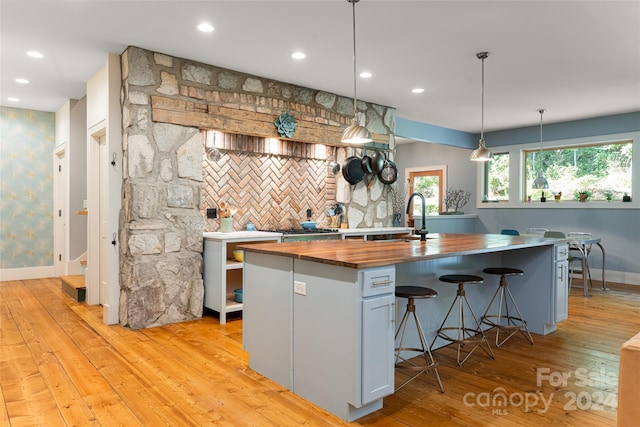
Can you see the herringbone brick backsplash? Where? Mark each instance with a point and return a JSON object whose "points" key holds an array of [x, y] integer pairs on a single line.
{"points": [[271, 191]]}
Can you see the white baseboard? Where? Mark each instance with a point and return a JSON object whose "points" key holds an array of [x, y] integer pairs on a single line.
{"points": [[623, 277], [27, 273]]}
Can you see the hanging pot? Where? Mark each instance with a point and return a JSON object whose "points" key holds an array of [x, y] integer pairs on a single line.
{"points": [[389, 172], [377, 162], [352, 170], [366, 163], [334, 166]]}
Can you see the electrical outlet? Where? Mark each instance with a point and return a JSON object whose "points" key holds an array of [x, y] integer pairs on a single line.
{"points": [[212, 213], [299, 288]]}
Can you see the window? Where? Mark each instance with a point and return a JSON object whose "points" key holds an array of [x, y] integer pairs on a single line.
{"points": [[496, 178], [428, 182], [603, 171]]}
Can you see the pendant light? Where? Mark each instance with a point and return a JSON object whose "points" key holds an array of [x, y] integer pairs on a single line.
{"points": [[482, 154], [355, 134], [540, 182]]}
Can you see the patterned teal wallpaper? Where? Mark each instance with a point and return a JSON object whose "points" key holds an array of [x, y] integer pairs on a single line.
{"points": [[27, 140]]}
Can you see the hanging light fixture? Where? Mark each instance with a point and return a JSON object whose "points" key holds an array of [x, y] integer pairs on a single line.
{"points": [[540, 182], [355, 134], [482, 154]]}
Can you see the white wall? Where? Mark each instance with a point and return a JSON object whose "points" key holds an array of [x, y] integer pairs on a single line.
{"points": [[104, 118], [71, 136], [77, 164]]}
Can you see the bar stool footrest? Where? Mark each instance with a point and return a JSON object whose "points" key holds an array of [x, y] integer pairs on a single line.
{"points": [[423, 367], [518, 323], [473, 333]]}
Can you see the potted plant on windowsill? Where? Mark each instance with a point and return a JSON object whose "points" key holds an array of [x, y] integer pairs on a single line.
{"points": [[583, 196]]}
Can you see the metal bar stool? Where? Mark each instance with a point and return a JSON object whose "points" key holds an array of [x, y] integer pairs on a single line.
{"points": [[464, 334], [412, 293], [508, 321]]}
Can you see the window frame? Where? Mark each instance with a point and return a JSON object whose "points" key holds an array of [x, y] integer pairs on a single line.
{"points": [[485, 179], [517, 167], [523, 176]]}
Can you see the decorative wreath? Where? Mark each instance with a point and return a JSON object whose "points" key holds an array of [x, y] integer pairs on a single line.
{"points": [[286, 125]]}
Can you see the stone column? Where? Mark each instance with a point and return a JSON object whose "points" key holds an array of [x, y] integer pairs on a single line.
{"points": [[161, 224]]}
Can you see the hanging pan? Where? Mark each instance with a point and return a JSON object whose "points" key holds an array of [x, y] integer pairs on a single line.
{"points": [[377, 162], [366, 162], [352, 170], [389, 172]]}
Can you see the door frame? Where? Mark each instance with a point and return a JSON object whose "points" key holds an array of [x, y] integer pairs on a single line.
{"points": [[60, 209]]}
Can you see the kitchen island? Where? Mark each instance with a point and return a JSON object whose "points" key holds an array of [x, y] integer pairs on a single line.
{"points": [[319, 317]]}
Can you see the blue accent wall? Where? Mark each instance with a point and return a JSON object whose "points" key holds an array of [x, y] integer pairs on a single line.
{"points": [[27, 140], [425, 132], [606, 125]]}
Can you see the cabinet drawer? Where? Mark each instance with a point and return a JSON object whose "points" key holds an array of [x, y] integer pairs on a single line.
{"points": [[561, 252], [378, 281]]}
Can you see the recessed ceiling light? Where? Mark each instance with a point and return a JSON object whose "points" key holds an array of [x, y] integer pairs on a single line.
{"points": [[298, 55], [205, 27], [417, 90], [365, 74], [35, 54], [13, 99], [22, 81]]}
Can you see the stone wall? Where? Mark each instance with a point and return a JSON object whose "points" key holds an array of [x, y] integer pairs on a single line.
{"points": [[161, 221]]}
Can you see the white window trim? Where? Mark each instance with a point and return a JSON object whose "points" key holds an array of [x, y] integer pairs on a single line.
{"points": [[516, 164]]}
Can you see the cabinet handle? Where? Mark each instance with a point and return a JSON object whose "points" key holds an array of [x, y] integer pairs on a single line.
{"points": [[561, 272], [381, 283], [392, 315]]}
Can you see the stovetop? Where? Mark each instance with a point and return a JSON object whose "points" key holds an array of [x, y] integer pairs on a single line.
{"points": [[304, 230]]}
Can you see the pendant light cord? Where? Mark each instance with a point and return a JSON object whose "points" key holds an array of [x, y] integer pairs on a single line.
{"points": [[541, 111], [353, 3], [482, 104], [482, 56]]}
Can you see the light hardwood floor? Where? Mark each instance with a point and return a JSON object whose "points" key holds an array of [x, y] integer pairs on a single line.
{"points": [[59, 365]]}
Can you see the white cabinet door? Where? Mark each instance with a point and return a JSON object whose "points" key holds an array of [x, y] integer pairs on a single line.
{"points": [[562, 290], [377, 347]]}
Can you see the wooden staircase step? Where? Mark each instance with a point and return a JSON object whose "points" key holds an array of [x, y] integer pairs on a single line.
{"points": [[74, 287]]}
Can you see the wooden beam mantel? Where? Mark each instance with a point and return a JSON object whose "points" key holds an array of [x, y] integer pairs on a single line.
{"points": [[234, 120]]}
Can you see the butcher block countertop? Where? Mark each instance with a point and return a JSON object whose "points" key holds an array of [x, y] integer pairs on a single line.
{"points": [[366, 254]]}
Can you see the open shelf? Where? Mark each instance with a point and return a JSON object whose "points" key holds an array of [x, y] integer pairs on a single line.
{"points": [[222, 274]]}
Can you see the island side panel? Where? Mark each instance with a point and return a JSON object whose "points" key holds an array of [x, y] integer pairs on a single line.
{"points": [[326, 336], [267, 316], [535, 291]]}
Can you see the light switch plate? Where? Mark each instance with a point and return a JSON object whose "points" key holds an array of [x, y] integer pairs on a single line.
{"points": [[299, 288]]}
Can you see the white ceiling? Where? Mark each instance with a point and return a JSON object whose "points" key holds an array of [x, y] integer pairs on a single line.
{"points": [[577, 59]]}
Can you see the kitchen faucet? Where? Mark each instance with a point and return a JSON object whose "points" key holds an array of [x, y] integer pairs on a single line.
{"points": [[423, 231]]}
